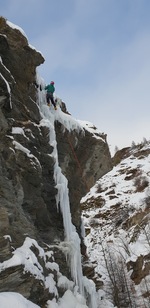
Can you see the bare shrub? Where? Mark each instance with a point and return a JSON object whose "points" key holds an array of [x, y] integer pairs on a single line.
{"points": [[99, 188], [120, 288], [141, 182], [116, 149], [144, 142], [133, 145]]}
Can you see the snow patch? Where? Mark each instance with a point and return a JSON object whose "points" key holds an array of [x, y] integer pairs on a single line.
{"points": [[13, 26]]}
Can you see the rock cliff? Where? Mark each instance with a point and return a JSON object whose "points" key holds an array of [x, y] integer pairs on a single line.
{"points": [[31, 219]]}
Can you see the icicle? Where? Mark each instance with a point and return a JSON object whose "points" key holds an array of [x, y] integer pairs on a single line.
{"points": [[89, 286]]}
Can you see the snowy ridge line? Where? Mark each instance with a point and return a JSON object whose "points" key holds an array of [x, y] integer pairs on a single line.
{"points": [[13, 26], [62, 198], [90, 127], [68, 121]]}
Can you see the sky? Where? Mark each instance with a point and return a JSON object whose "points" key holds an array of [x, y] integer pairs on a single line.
{"points": [[97, 52]]}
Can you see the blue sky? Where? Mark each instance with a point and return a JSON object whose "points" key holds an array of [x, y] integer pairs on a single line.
{"points": [[98, 54]]}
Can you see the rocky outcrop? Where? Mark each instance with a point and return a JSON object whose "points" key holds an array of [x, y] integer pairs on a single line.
{"points": [[83, 159], [27, 186]]}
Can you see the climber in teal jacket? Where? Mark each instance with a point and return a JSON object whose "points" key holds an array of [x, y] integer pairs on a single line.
{"points": [[49, 95]]}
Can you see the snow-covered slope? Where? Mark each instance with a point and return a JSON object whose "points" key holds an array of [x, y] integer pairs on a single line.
{"points": [[116, 214]]}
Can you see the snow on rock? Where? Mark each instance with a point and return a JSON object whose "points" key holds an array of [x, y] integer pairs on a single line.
{"points": [[24, 255], [19, 131], [6, 67], [8, 89], [64, 282], [19, 147], [92, 129], [13, 299], [13, 26], [69, 300]]}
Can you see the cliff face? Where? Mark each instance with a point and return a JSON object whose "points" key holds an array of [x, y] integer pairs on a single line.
{"points": [[28, 189], [83, 160]]}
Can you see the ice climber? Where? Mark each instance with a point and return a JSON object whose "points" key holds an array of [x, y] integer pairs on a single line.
{"points": [[49, 95]]}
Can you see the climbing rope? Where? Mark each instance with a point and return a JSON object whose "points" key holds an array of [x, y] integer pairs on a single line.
{"points": [[78, 163]]}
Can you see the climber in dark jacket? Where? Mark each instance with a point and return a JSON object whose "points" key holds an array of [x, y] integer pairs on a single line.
{"points": [[49, 96]]}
